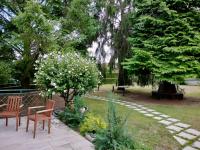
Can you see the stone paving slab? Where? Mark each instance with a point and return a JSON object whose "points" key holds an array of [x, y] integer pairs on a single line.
{"points": [[165, 116], [158, 118], [128, 105], [143, 112], [174, 128], [165, 122], [196, 144], [143, 108], [134, 104], [151, 110], [156, 113], [133, 107], [172, 132], [189, 148], [173, 120], [121, 103], [61, 137], [149, 115], [186, 135], [193, 131], [180, 140], [183, 125], [138, 109]]}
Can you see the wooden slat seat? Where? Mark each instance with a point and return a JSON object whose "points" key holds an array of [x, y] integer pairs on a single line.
{"points": [[7, 114], [41, 115], [13, 109]]}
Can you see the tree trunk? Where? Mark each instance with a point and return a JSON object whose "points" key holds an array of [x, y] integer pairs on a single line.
{"points": [[167, 87], [122, 46], [167, 90], [122, 77], [25, 81]]}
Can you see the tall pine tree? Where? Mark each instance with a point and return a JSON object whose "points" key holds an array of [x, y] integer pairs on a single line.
{"points": [[165, 40]]}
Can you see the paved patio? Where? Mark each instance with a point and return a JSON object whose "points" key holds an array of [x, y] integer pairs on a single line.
{"points": [[61, 137]]}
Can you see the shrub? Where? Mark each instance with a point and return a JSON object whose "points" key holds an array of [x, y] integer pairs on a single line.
{"points": [[73, 117], [114, 137], [92, 124], [69, 74], [5, 72]]}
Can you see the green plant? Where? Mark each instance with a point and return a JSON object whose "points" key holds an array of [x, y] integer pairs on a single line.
{"points": [[164, 40], [115, 136], [92, 124], [5, 72], [69, 74], [73, 117]]}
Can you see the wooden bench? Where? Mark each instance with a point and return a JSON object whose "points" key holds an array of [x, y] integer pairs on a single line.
{"points": [[121, 87]]}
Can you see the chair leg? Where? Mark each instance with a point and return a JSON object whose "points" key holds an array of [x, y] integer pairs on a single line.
{"points": [[43, 124], [49, 125], [17, 122], [27, 124], [35, 125], [6, 121]]}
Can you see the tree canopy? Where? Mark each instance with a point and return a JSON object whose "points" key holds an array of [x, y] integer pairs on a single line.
{"points": [[164, 40], [159, 38], [32, 28]]}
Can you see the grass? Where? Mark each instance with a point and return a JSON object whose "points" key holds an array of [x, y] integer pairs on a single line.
{"points": [[188, 110], [187, 114], [146, 130], [143, 130]]}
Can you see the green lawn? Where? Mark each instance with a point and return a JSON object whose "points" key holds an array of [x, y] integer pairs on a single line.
{"points": [[187, 110], [187, 114], [144, 130]]}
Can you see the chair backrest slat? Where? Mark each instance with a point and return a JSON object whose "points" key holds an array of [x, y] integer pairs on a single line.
{"points": [[14, 103], [50, 105]]}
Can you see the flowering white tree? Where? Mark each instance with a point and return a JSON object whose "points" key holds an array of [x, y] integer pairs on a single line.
{"points": [[69, 74]]}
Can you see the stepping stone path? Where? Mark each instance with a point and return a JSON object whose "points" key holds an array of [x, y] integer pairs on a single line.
{"points": [[180, 140], [172, 119], [165, 122], [149, 115], [158, 118], [183, 125], [174, 128], [196, 144], [189, 148], [187, 137]]}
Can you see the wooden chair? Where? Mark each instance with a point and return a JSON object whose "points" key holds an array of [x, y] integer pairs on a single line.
{"points": [[41, 115], [13, 109]]}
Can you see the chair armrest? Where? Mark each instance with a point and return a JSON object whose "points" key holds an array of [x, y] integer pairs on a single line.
{"points": [[22, 105], [36, 107], [31, 108], [43, 111], [3, 105]]}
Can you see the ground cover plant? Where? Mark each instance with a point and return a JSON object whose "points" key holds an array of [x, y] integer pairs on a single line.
{"points": [[115, 136], [73, 117], [92, 124]]}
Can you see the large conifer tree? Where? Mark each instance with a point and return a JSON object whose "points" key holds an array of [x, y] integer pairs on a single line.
{"points": [[165, 40]]}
